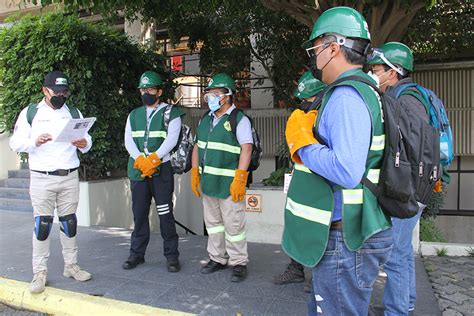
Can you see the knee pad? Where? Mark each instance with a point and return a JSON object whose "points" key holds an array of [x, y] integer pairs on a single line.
{"points": [[43, 225], [69, 225]]}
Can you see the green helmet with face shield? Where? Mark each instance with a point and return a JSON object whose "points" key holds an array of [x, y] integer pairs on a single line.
{"points": [[344, 23], [395, 53], [308, 86], [221, 81]]}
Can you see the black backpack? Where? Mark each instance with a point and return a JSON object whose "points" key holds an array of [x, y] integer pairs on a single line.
{"points": [[257, 150], [411, 165]]}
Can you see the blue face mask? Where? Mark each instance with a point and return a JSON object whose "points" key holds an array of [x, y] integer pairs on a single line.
{"points": [[214, 103]]}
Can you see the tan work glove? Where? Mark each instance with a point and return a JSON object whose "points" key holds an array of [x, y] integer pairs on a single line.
{"points": [[299, 132], [237, 187], [195, 182]]}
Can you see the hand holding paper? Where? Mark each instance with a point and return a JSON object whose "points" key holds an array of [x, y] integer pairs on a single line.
{"points": [[80, 143]]}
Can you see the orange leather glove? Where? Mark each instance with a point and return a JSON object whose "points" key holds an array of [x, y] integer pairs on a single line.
{"points": [[152, 162], [237, 187], [299, 132], [195, 182], [438, 187], [140, 162]]}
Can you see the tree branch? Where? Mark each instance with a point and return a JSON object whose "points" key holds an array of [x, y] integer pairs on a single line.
{"points": [[400, 30], [301, 12]]}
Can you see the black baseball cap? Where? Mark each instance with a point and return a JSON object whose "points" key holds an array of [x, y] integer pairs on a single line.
{"points": [[56, 81]]}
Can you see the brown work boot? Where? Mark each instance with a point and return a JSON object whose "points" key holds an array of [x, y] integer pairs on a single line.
{"points": [[74, 271], [294, 273], [38, 283]]}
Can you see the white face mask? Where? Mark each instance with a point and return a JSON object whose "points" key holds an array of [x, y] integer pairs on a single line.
{"points": [[377, 78], [374, 76]]}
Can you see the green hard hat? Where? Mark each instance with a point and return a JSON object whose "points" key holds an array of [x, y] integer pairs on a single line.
{"points": [[221, 81], [396, 53], [308, 86], [340, 20], [150, 79]]}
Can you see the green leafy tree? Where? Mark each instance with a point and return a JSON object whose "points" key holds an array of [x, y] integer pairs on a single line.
{"points": [[103, 68], [443, 32], [229, 34]]}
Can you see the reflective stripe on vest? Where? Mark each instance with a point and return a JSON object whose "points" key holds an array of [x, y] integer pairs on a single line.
{"points": [[219, 171], [224, 147], [307, 212], [354, 196], [138, 133], [157, 134], [215, 229], [235, 238], [373, 175], [378, 143], [301, 167], [220, 146]]}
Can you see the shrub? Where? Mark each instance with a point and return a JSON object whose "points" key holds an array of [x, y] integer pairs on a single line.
{"points": [[103, 66], [429, 231], [435, 203]]}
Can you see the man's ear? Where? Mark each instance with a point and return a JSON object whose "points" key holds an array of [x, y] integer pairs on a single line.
{"points": [[159, 93], [392, 74], [335, 49]]}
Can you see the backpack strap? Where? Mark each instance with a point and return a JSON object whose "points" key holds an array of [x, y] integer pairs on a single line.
{"points": [[31, 112], [318, 101], [166, 116], [403, 88], [74, 112], [233, 120], [415, 91]]}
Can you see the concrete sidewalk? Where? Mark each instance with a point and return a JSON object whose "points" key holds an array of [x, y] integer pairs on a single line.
{"points": [[102, 251]]}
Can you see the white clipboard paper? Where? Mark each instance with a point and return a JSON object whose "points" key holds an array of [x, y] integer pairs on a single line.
{"points": [[75, 129]]}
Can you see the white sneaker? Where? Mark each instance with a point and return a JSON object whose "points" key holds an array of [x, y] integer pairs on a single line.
{"points": [[38, 283], [74, 271]]}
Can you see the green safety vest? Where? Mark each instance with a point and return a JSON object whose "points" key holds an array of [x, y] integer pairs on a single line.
{"points": [[310, 200], [219, 153], [154, 136]]}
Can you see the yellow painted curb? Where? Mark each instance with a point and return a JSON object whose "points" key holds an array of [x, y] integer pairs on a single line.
{"points": [[61, 302]]}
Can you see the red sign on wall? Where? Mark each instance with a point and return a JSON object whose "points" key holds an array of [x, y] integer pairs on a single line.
{"points": [[176, 63]]}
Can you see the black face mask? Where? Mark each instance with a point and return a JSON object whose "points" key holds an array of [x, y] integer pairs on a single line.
{"points": [[57, 101], [318, 73], [149, 99]]}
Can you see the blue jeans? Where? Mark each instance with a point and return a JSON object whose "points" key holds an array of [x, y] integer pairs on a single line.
{"points": [[400, 290], [343, 279]]}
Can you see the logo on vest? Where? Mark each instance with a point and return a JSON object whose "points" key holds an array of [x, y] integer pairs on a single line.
{"points": [[227, 126]]}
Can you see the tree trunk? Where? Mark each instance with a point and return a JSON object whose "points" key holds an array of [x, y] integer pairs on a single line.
{"points": [[388, 20]]}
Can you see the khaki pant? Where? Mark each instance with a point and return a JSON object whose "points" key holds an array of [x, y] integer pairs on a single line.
{"points": [[225, 224], [48, 193]]}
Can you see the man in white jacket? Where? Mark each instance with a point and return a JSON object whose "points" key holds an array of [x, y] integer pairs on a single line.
{"points": [[54, 180]]}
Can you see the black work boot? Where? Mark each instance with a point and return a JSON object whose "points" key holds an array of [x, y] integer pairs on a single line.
{"points": [[239, 273], [132, 262], [212, 267], [173, 265], [294, 273]]}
